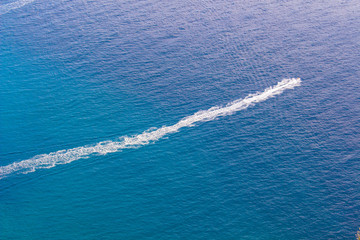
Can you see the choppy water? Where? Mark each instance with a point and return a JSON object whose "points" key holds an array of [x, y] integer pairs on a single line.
{"points": [[93, 80]]}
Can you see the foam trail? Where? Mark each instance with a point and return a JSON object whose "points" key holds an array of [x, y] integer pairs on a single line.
{"points": [[151, 135], [14, 5]]}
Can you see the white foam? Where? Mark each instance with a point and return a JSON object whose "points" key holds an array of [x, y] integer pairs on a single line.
{"points": [[5, 8], [151, 135]]}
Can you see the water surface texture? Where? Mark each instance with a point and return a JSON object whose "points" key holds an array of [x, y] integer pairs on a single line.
{"points": [[179, 119]]}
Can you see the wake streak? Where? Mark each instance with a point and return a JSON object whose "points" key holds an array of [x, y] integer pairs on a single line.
{"points": [[70, 155], [14, 5]]}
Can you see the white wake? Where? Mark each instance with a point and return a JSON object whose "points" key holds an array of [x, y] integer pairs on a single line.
{"points": [[5, 8], [151, 135]]}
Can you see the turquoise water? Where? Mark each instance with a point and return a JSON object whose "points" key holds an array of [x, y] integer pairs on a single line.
{"points": [[87, 78]]}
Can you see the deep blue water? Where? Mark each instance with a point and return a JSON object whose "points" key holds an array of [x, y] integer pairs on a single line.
{"points": [[76, 73]]}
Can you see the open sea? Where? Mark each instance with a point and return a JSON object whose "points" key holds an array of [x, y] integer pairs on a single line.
{"points": [[182, 119]]}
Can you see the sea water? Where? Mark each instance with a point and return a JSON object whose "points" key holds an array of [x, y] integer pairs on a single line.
{"points": [[179, 119]]}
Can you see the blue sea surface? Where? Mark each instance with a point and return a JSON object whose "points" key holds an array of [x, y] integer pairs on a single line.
{"points": [[76, 73]]}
